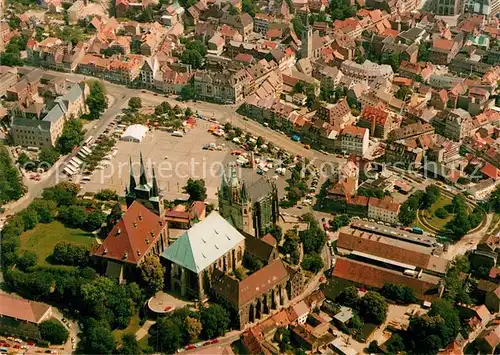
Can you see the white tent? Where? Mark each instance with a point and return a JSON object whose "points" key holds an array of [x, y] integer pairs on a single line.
{"points": [[135, 133]]}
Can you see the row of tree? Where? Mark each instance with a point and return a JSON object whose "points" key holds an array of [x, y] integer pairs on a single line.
{"points": [[11, 187]]}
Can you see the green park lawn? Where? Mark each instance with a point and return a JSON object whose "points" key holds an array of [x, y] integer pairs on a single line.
{"points": [[42, 239], [132, 328], [431, 218]]}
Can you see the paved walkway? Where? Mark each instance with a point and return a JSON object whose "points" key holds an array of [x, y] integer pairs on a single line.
{"points": [[144, 330]]}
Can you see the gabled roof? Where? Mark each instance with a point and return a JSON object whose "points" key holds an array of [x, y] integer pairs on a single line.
{"points": [[204, 243], [21, 309], [132, 237], [258, 283]]}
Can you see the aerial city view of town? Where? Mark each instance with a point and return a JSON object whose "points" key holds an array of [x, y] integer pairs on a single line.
{"points": [[224, 177]]}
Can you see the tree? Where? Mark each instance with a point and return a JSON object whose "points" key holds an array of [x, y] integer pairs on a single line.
{"points": [[64, 193], [441, 213], [11, 56], [193, 328], [27, 260], [340, 221], [53, 331], [422, 334], [135, 103], [168, 335], [373, 308], [399, 293], [313, 263], [188, 92], [249, 7], [404, 93], [196, 190], [215, 321], [423, 51], [197, 46], [153, 273], [73, 216], [94, 221], [96, 100], [314, 238], [11, 187], [291, 247], [72, 135], [107, 195], [23, 160], [30, 218], [432, 194], [395, 344], [66, 253], [98, 339], [348, 297], [47, 157], [298, 26], [130, 346], [192, 57]]}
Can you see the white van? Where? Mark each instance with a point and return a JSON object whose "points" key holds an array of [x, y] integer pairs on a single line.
{"points": [[177, 134]]}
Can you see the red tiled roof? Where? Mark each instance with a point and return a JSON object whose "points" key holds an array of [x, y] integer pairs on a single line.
{"points": [[442, 44], [376, 114], [370, 245], [491, 171], [22, 309], [269, 239], [354, 131], [372, 276], [131, 238]]}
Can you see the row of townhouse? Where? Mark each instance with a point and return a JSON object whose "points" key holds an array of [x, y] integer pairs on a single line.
{"points": [[120, 70]]}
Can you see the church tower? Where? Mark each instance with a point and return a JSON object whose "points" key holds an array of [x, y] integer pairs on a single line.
{"points": [[306, 50], [235, 204], [147, 194]]}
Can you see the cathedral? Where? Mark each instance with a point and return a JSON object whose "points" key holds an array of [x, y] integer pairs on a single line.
{"points": [[252, 209], [148, 194]]}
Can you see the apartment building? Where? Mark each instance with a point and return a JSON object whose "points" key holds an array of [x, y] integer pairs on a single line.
{"points": [[483, 190], [354, 140], [368, 71], [378, 120], [385, 209], [444, 50], [336, 114], [261, 23], [44, 133], [455, 124], [223, 87]]}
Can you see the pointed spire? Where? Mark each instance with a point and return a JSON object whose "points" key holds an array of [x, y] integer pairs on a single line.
{"points": [[224, 179], [132, 183], [143, 180], [244, 193], [156, 189]]}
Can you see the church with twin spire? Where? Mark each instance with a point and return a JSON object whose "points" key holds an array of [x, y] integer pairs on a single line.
{"points": [[148, 194]]}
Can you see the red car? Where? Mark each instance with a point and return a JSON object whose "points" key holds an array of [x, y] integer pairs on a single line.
{"points": [[190, 347], [362, 289], [168, 308], [215, 341], [321, 279], [17, 346]]}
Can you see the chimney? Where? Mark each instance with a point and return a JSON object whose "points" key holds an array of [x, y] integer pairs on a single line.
{"points": [[138, 252], [140, 217], [135, 224], [118, 231], [125, 256]]}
